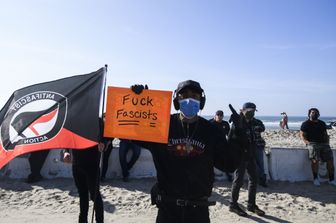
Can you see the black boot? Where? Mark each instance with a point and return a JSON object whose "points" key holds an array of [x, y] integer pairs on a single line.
{"points": [[255, 209], [34, 178], [236, 209]]}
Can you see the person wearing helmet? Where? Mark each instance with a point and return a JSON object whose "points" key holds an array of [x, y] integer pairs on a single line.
{"points": [[185, 164], [314, 134], [248, 164]]}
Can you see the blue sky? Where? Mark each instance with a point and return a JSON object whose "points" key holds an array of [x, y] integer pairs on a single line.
{"points": [[279, 54]]}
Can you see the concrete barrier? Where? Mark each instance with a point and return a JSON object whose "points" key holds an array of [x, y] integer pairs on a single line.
{"points": [[54, 167], [291, 164], [281, 164]]}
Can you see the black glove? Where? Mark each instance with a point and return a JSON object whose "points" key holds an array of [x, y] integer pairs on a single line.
{"points": [[138, 88], [237, 122]]}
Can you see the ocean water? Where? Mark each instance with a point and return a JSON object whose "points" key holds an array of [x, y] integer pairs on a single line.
{"points": [[294, 122]]}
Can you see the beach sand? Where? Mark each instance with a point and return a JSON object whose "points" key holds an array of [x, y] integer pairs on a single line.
{"points": [[56, 200], [291, 138]]}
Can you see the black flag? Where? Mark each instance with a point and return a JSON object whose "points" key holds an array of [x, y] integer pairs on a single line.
{"points": [[58, 114]]}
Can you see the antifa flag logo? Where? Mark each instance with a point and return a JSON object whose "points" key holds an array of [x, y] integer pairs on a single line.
{"points": [[58, 114], [34, 118]]}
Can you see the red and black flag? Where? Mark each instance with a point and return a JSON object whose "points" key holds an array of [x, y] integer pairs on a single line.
{"points": [[58, 114]]}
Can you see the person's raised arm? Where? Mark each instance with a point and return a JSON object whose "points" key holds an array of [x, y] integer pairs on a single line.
{"points": [[229, 154], [237, 128]]}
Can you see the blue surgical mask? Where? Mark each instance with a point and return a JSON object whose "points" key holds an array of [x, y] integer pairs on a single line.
{"points": [[189, 107]]}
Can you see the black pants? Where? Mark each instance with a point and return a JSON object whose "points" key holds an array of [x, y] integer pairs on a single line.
{"points": [[106, 156], [125, 146], [86, 183], [238, 180], [172, 213], [36, 161]]}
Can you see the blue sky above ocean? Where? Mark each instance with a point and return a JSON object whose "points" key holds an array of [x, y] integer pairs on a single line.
{"points": [[278, 54]]}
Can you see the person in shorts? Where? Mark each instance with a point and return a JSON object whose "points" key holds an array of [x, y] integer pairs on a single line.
{"points": [[314, 134]]}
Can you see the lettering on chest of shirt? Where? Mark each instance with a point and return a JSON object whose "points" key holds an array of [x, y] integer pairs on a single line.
{"points": [[185, 147]]}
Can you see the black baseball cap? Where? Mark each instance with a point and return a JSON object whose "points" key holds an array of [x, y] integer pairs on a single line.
{"points": [[189, 84], [220, 113], [249, 106]]}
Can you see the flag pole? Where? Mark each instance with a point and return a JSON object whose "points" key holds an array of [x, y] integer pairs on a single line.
{"points": [[101, 153]]}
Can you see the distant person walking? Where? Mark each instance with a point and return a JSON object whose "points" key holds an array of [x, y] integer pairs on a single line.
{"points": [[314, 135], [284, 121], [224, 127]]}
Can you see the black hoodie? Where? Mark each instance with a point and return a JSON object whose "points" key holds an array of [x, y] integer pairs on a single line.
{"points": [[185, 165]]}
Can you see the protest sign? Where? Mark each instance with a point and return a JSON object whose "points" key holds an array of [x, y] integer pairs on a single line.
{"points": [[144, 116]]}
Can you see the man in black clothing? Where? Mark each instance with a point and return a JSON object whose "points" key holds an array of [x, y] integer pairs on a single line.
{"points": [[85, 170], [36, 161], [314, 135], [108, 144], [185, 165], [248, 145], [220, 123], [224, 127]]}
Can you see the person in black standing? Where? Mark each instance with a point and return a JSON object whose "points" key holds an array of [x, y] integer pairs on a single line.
{"points": [[248, 145], [219, 121], [314, 134], [185, 164], [224, 127], [85, 170], [36, 161], [108, 144]]}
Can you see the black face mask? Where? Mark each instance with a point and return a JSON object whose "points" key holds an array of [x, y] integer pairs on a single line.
{"points": [[314, 116], [249, 115]]}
